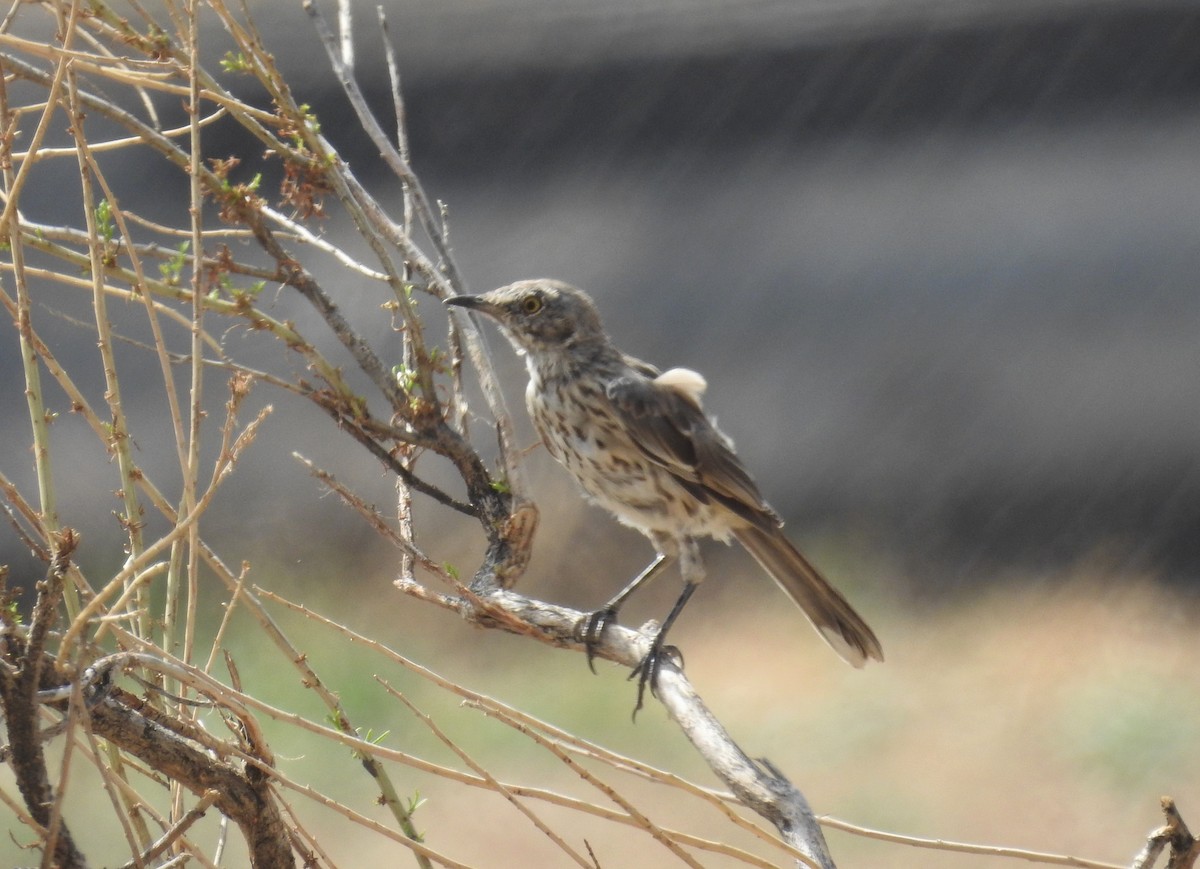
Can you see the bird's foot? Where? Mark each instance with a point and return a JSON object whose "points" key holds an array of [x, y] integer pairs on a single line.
{"points": [[592, 631], [648, 669]]}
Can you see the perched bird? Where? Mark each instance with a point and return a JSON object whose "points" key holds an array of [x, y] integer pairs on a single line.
{"points": [[639, 444]]}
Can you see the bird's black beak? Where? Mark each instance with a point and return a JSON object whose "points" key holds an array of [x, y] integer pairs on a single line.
{"points": [[475, 303]]}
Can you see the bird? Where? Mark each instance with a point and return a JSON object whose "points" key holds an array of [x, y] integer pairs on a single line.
{"points": [[639, 444]]}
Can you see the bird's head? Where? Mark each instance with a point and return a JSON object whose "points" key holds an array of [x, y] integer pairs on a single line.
{"points": [[540, 316]]}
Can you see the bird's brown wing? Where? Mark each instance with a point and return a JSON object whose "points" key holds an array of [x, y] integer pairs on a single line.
{"points": [[668, 425]]}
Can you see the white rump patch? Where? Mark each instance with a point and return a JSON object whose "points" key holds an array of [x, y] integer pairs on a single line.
{"points": [[690, 384]]}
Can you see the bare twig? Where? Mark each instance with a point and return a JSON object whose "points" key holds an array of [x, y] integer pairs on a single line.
{"points": [[1022, 854], [433, 228], [482, 772], [546, 624], [376, 521], [1184, 848], [180, 827]]}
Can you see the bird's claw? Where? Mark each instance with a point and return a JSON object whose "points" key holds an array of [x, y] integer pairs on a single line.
{"points": [[648, 669], [592, 632]]}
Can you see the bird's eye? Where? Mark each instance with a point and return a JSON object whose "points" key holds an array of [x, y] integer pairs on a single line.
{"points": [[531, 304]]}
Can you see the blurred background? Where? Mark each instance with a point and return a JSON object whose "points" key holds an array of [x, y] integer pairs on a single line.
{"points": [[937, 261]]}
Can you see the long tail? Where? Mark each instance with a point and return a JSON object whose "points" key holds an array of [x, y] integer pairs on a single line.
{"points": [[825, 607]]}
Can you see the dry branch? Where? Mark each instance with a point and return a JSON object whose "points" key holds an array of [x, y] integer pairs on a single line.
{"points": [[759, 786], [244, 794], [24, 667], [1182, 848]]}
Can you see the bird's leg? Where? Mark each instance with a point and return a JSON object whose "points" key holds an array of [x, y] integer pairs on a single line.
{"points": [[646, 672], [594, 623]]}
